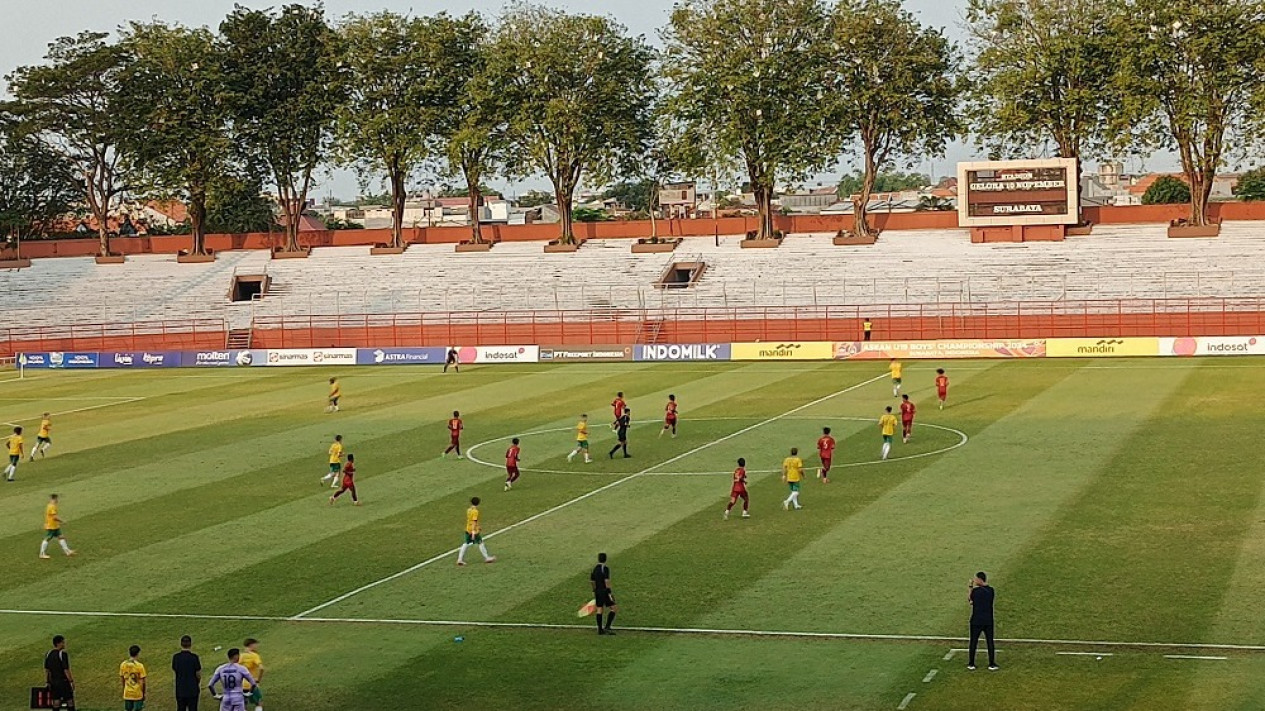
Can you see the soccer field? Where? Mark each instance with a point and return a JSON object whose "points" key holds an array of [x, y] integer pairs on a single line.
{"points": [[1116, 506]]}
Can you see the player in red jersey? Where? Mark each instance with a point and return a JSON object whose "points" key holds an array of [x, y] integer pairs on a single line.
{"points": [[618, 406], [942, 386], [739, 490], [511, 464], [669, 416], [825, 450], [455, 426], [349, 481], [907, 411]]}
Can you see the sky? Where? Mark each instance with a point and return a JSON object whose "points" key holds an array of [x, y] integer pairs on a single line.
{"points": [[30, 25]]}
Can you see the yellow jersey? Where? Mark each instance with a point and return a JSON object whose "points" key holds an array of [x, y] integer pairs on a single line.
{"points": [[888, 423], [794, 468], [132, 673], [253, 663], [50, 517], [336, 453], [15, 445], [45, 426], [335, 390], [896, 369], [472, 520], [582, 432]]}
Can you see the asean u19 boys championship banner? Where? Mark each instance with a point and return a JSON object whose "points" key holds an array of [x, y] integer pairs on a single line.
{"points": [[944, 350]]}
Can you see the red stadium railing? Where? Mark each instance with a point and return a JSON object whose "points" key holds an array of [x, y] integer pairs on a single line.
{"points": [[1045, 319]]}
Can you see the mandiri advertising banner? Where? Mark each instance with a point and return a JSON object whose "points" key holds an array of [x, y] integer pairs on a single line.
{"points": [[1101, 347], [784, 350]]}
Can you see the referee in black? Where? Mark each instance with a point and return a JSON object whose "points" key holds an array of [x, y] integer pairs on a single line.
{"points": [[980, 599], [600, 579], [621, 428]]}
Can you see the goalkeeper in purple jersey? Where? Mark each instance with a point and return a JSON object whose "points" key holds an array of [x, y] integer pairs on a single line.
{"points": [[230, 676]]}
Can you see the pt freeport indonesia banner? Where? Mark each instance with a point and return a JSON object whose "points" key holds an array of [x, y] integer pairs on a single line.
{"points": [[585, 354]]}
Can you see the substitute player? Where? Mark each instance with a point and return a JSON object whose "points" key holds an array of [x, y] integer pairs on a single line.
{"points": [[581, 440], [669, 416], [43, 438], [887, 425], [335, 462], [907, 410], [132, 678], [233, 677], [335, 392], [621, 433], [618, 406], [349, 485], [455, 426], [474, 535], [52, 528], [14, 445], [739, 490], [942, 386], [895, 368], [792, 474], [255, 665], [826, 451], [511, 464]]}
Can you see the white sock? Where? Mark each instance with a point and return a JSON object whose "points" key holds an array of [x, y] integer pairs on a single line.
{"points": [[10, 470], [461, 553], [64, 545], [484, 550], [795, 498], [789, 499], [886, 448], [44, 547]]}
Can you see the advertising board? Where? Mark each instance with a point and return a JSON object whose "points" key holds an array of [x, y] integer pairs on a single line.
{"points": [[1101, 347], [784, 350], [940, 350], [310, 356], [588, 354], [683, 351], [498, 354], [1018, 192], [1213, 346], [400, 356]]}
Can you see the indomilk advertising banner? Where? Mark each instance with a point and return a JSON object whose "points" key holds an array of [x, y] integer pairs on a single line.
{"points": [[683, 351], [1018, 192]]}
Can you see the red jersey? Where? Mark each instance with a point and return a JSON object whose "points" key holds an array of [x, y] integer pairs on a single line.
{"points": [[826, 447], [618, 405], [740, 478], [511, 456], [907, 410], [942, 383], [455, 426], [670, 409], [349, 473]]}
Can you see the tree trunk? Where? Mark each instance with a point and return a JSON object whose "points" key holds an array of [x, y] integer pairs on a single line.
{"points": [[397, 207], [861, 203], [103, 235], [562, 193], [290, 209], [197, 221], [472, 175], [764, 206], [653, 204], [1200, 191]]}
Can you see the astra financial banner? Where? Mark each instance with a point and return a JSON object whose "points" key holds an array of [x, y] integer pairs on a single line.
{"points": [[400, 356]]}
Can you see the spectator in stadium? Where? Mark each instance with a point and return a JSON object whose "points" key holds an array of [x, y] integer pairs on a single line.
{"points": [[867, 328]]}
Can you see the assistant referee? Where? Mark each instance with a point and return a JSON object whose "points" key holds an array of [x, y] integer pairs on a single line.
{"points": [[603, 598]]}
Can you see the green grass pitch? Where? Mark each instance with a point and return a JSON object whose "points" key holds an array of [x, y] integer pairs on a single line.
{"points": [[1110, 501]]}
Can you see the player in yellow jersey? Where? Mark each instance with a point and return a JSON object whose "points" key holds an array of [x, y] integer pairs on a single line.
{"points": [[474, 535], [792, 474], [335, 462], [895, 368], [887, 424], [254, 664], [335, 392], [14, 445], [52, 528], [581, 440], [132, 678], [43, 438]]}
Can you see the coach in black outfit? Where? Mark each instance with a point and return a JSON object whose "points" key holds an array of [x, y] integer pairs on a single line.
{"points": [[188, 673], [981, 602], [603, 598], [61, 683]]}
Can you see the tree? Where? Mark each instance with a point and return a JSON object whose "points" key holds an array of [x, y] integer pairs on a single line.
{"points": [[891, 88], [579, 91], [589, 214], [283, 77], [406, 76], [38, 188], [474, 136], [742, 81], [172, 98], [71, 104], [1251, 185], [884, 182], [1042, 72], [1190, 74], [1166, 190], [534, 198], [236, 205], [634, 195]]}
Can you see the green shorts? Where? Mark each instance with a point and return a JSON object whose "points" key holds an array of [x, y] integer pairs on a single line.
{"points": [[14, 459], [133, 705], [255, 695], [335, 467], [43, 440], [888, 438], [895, 381], [794, 485], [582, 444], [474, 538], [51, 533]]}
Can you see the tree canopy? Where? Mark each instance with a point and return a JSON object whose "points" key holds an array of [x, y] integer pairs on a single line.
{"points": [[38, 187], [1166, 190]]}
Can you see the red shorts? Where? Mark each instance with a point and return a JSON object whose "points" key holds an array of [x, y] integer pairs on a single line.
{"points": [[348, 483], [825, 463], [456, 439], [942, 394], [511, 469], [738, 492], [670, 419]]}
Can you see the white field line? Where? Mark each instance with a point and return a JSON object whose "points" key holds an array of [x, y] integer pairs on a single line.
{"points": [[930, 675], [582, 497], [905, 702], [56, 399], [117, 401], [1086, 654], [1193, 656], [699, 631]]}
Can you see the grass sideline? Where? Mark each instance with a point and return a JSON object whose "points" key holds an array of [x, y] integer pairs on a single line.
{"points": [[1115, 501]]}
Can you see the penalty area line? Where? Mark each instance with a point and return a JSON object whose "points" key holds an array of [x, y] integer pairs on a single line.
{"points": [[695, 631], [618, 482]]}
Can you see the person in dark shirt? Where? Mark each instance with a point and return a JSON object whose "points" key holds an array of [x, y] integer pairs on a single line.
{"points": [[600, 579], [454, 360], [57, 674], [188, 669], [621, 431], [980, 599]]}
